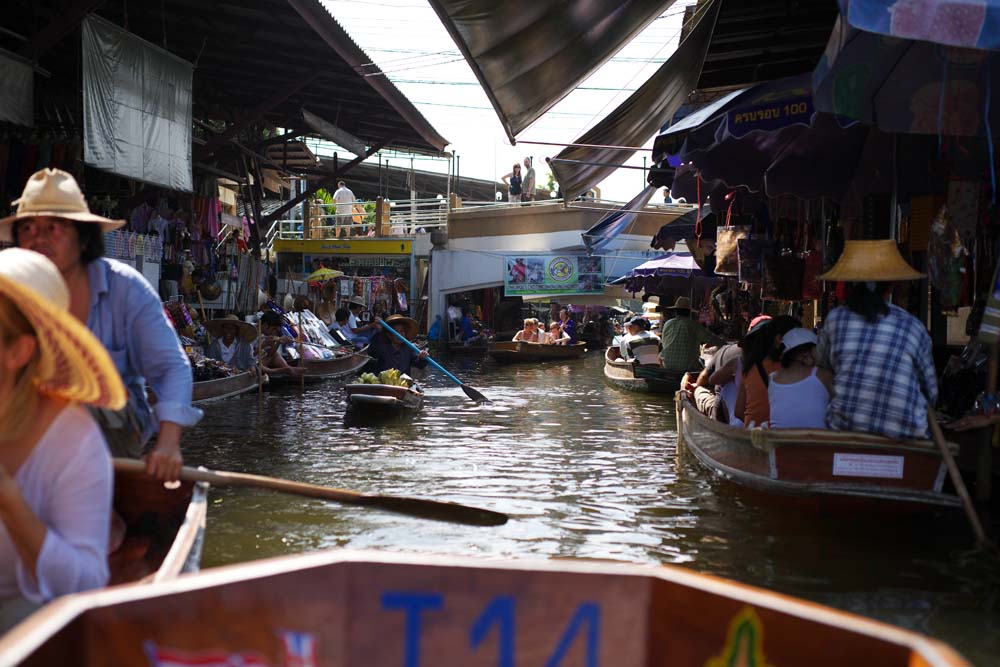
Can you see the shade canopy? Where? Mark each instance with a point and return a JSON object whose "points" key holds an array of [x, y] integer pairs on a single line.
{"points": [[614, 223], [964, 23]]}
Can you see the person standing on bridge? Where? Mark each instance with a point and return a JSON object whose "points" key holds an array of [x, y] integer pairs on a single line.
{"points": [[528, 183], [345, 207]]}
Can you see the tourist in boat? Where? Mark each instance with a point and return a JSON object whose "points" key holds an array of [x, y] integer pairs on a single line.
{"points": [[555, 336], [567, 326], [341, 326], [360, 333], [799, 392], [390, 352], [880, 355], [682, 338], [232, 342], [272, 338], [55, 471], [122, 310], [761, 357], [717, 386], [530, 332], [638, 334]]}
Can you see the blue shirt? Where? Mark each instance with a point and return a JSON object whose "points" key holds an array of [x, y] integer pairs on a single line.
{"points": [[388, 356], [127, 317], [569, 328], [465, 324]]}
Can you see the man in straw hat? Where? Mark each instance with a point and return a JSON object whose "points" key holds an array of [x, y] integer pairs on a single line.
{"points": [[122, 310], [884, 375], [390, 352], [681, 339], [55, 473], [232, 342]]}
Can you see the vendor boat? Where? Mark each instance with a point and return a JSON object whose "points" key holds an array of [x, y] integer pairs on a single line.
{"points": [[219, 388], [513, 351], [318, 370], [820, 465], [643, 374], [381, 402], [337, 607]]}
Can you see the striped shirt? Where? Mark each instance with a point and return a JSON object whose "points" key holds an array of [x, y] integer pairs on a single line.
{"points": [[884, 375]]}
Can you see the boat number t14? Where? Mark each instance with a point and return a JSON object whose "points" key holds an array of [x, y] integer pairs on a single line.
{"points": [[500, 616]]}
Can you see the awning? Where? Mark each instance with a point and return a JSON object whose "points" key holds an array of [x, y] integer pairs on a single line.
{"points": [[578, 169], [965, 23], [614, 223], [529, 54]]}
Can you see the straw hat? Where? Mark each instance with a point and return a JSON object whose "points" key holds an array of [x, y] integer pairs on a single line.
{"points": [[871, 261], [72, 364], [682, 303], [408, 323], [357, 301], [53, 192], [246, 331]]}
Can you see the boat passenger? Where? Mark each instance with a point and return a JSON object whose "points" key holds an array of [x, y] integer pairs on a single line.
{"points": [[358, 332], [637, 335], [799, 392], [390, 352], [56, 477], [272, 338], [761, 357], [567, 326], [880, 355], [682, 338], [122, 310], [232, 342], [718, 385], [466, 330], [530, 332], [341, 326], [555, 336]]}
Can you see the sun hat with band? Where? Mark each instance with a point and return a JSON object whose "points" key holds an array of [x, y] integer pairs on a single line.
{"points": [[402, 321], [72, 363], [245, 330], [54, 193], [871, 261]]}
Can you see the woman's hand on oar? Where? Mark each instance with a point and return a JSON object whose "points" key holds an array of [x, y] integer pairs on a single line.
{"points": [[418, 507], [469, 391]]}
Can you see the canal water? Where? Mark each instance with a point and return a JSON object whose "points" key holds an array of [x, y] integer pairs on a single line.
{"points": [[585, 471]]}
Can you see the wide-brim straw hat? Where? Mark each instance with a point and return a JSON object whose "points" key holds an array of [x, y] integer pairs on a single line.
{"points": [[73, 364], [357, 301], [245, 331], [682, 303], [871, 261], [409, 324], [54, 193]]}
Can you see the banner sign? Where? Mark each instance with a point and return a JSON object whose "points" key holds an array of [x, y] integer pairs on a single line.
{"points": [[540, 275], [770, 116]]}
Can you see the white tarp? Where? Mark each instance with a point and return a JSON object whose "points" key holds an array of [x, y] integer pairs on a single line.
{"points": [[17, 88], [136, 107]]}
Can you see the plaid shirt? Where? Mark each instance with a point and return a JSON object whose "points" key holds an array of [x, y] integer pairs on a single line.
{"points": [[681, 340], [884, 375]]}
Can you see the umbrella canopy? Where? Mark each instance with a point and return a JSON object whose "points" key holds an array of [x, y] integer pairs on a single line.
{"points": [[906, 86], [674, 264], [320, 275], [965, 23]]}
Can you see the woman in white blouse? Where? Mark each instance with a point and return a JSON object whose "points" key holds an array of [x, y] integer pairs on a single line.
{"points": [[55, 473]]}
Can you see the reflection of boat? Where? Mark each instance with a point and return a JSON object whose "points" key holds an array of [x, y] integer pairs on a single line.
{"points": [[164, 528], [816, 463], [477, 349], [378, 608], [376, 402], [510, 351], [317, 370], [213, 390], [635, 376]]}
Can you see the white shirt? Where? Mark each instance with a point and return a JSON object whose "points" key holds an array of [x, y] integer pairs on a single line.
{"points": [[67, 482], [352, 324], [227, 350], [345, 202], [628, 338]]}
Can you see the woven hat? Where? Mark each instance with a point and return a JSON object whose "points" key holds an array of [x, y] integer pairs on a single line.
{"points": [[871, 261], [409, 324], [682, 303], [245, 331], [72, 363], [53, 192], [357, 301]]}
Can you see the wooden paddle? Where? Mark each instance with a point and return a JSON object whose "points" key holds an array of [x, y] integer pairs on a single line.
{"points": [[956, 479], [469, 391], [418, 507]]}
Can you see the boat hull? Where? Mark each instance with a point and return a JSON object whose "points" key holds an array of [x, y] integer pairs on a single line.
{"points": [[326, 369], [512, 352], [214, 390], [817, 464], [377, 402], [376, 608], [647, 379]]}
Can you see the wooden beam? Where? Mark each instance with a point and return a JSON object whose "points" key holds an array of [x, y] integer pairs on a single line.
{"points": [[68, 19]]}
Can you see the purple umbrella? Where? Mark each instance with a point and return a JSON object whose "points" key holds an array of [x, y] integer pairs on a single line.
{"points": [[966, 23], [674, 264]]}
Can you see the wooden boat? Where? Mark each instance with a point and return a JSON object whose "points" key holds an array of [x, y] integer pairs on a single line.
{"points": [[851, 468], [164, 528], [214, 390], [637, 376], [325, 369], [510, 351], [378, 402], [338, 607]]}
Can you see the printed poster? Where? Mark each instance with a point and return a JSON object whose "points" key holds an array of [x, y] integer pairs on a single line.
{"points": [[543, 275]]}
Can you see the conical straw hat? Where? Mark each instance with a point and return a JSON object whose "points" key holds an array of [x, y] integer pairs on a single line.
{"points": [[871, 261]]}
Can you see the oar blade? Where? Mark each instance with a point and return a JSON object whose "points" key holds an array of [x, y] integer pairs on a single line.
{"points": [[474, 395], [439, 511]]}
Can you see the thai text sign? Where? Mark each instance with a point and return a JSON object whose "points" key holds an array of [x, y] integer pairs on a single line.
{"points": [[770, 116], [539, 275]]}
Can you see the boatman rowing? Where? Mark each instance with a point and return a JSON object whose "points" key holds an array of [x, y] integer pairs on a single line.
{"points": [[389, 351]]}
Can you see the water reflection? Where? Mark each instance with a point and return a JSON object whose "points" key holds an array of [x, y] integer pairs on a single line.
{"points": [[586, 471]]}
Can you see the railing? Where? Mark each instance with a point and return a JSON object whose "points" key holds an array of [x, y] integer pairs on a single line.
{"points": [[406, 217]]}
